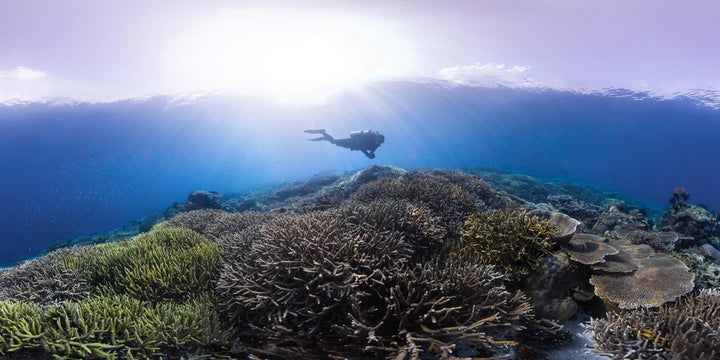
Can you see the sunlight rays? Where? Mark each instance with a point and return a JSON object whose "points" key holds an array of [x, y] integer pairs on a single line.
{"points": [[285, 55]]}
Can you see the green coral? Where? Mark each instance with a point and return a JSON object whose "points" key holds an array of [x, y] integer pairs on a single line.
{"points": [[153, 298], [166, 263], [109, 326], [20, 325], [510, 239]]}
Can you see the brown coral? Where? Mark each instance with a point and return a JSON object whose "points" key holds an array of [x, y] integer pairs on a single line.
{"points": [[439, 194], [361, 280], [660, 241], [214, 224], [566, 225], [44, 280], [658, 279], [684, 330], [588, 249]]}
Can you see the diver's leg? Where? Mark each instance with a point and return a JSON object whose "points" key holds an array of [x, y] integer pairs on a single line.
{"points": [[325, 136]]}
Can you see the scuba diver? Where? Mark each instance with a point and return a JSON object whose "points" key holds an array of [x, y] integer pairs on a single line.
{"points": [[366, 141]]}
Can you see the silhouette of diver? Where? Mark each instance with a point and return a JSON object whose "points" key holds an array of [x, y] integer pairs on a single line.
{"points": [[366, 141]]}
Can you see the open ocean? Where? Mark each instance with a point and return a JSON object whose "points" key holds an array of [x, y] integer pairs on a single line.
{"points": [[75, 169]]}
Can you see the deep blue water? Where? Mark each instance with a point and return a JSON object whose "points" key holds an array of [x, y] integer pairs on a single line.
{"points": [[71, 170]]}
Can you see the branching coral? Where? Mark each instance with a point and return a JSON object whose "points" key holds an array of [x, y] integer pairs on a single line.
{"points": [[476, 187], [47, 279], [440, 195], [510, 239], [435, 306], [108, 326], [361, 280], [687, 329], [20, 326], [166, 263], [303, 268], [152, 297], [215, 224]]}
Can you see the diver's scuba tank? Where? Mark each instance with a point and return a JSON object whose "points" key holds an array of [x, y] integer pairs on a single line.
{"points": [[358, 133]]}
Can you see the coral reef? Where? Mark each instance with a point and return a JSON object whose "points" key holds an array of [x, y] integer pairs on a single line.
{"points": [[658, 240], [45, 280], [304, 188], [554, 284], [365, 280], [166, 263], [692, 221], [510, 238], [151, 296], [381, 264], [657, 279], [616, 215], [450, 201], [588, 249], [334, 194], [587, 213], [686, 329], [112, 326], [566, 226], [215, 224], [196, 200]]}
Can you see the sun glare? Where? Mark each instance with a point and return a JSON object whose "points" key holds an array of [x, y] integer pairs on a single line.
{"points": [[285, 55]]}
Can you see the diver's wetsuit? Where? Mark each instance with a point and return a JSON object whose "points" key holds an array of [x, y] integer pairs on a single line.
{"points": [[366, 141]]}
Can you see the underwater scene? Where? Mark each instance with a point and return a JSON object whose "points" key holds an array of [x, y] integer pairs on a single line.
{"points": [[314, 191]]}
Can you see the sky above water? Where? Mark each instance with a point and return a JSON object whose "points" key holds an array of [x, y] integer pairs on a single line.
{"points": [[108, 50]]}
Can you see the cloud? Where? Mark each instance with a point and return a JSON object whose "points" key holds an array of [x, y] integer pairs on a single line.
{"points": [[22, 73], [488, 74], [23, 84]]}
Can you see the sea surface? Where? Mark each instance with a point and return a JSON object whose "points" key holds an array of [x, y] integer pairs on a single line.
{"points": [[71, 169]]}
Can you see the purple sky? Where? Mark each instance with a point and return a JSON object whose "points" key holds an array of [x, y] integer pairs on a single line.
{"points": [[99, 49]]}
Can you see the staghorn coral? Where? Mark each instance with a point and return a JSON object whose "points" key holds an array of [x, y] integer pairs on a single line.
{"points": [[476, 187], [166, 263], [418, 225], [510, 239], [686, 329], [47, 279], [215, 224], [440, 195], [360, 281], [302, 268], [112, 326], [20, 326], [436, 306]]}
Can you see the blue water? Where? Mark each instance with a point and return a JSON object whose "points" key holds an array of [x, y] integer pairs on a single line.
{"points": [[72, 170]]}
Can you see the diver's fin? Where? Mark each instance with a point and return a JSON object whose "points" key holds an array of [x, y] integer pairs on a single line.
{"points": [[318, 131], [318, 139]]}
